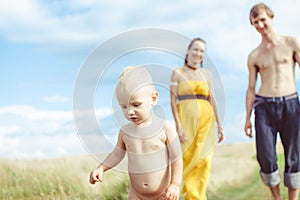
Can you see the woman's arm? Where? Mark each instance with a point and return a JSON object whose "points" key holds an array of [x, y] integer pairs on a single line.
{"points": [[175, 78], [214, 106]]}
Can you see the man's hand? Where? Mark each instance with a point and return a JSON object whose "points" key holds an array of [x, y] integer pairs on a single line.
{"points": [[248, 128]]}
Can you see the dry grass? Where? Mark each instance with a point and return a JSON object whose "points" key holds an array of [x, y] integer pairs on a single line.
{"points": [[65, 178], [234, 176]]}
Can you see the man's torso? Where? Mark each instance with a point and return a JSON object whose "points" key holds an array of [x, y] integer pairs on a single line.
{"points": [[275, 64]]}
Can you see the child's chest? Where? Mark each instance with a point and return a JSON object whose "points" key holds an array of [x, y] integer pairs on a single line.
{"points": [[136, 144]]}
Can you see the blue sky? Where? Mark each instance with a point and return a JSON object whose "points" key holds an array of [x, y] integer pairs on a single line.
{"points": [[45, 43]]}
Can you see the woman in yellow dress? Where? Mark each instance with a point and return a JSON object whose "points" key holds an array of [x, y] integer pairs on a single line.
{"points": [[195, 113]]}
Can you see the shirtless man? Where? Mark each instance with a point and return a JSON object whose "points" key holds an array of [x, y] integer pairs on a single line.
{"points": [[276, 103], [152, 145]]}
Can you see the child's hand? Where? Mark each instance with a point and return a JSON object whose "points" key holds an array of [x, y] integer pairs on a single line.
{"points": [[171, 193], [96, 176]]}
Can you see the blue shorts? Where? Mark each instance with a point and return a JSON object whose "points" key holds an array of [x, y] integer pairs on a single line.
{"points": [[273, 115]]}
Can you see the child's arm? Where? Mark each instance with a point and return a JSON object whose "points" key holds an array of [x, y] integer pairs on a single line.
{"points": [[172, 191], [114, 158], [175, 155]]}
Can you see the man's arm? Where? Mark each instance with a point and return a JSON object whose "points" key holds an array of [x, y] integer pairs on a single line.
{"points": [[296, 55], [250, 94]]}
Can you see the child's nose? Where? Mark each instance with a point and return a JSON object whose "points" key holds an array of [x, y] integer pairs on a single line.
{"points": [[130, 111]]}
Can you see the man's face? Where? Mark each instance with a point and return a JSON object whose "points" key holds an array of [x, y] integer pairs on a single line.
{"points": [[262, 22]]}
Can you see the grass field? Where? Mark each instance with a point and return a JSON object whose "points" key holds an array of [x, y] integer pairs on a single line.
{"points": [[64, 179], [67, 178], [250, 188]]}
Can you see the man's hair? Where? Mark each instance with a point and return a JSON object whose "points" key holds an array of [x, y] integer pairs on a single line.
{"points": [[256, 9]]}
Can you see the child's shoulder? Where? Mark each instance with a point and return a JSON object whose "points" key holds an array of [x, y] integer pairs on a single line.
{"points": [[168, 126], [167, 123], [170, 130], [126, 127]]}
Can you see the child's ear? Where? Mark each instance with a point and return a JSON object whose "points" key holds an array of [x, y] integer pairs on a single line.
{"points": [[154, 98]]}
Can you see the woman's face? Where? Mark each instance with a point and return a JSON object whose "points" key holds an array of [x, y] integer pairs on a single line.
{"points": [[196, 53]]}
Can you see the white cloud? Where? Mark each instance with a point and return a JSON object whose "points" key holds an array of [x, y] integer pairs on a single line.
{"points": [[90, 20], [31, 113], [225, 25], [99, 112], [34, 21], [9, 129], [28, 132], [30, 120], [56, 98], [41, 146]]}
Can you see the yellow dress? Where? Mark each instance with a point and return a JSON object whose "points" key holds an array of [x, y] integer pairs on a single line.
{"points": [[198, 122]]}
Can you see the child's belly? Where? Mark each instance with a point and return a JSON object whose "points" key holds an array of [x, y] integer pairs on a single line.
{"points": [[150, 184], [148, 162]]}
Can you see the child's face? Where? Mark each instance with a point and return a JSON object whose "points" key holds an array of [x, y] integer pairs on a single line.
{"points": [[137, 106]]}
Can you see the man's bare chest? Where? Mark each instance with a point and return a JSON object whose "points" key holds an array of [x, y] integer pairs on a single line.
{"points": [[273, 58]]}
